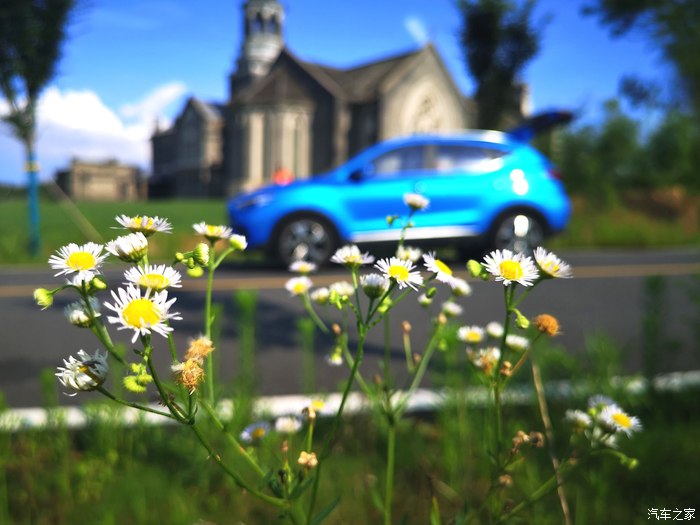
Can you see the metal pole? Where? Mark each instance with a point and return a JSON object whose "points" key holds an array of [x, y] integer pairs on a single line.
{"points": [[32, 169]]}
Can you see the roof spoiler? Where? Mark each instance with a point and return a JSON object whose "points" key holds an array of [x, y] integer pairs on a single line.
{"points": [[540, 123]]}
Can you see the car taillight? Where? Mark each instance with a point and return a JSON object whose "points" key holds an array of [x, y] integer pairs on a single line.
{"points": [[554, 173]]}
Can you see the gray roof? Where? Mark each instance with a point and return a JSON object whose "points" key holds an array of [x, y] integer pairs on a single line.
{"points": [[362, 83]]}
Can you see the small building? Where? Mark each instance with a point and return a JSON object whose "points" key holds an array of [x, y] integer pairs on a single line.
{"points": [[102, 181]]}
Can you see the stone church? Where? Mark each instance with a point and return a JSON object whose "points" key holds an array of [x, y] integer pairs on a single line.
{"points": [[287, 113]]}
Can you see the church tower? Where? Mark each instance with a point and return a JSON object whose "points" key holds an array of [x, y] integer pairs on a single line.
{"points": [[262, 41]]}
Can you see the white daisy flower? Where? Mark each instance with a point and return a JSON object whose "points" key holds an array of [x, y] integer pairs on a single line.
{"points": [[78, 314], [320, 295], [599, 402], [460, 287], [616, 419], [84, 260], [142, 314], [84, 373], [144, 224], [211, 232], [451, 309], [400, 271], [255, 432], [154, 277], [298, 285], [342, 288], [350, 256], [508, 267], [485, 358], [551, 265], [470, 334], [288, 424], [303, 267], [374, 285], [415, 201], [129, 248], [494, 329], [238, 242], [443, 273], [409, 253], [579, 419], [517, 342]]}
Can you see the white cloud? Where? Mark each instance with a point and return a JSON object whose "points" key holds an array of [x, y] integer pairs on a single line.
{"points": [[416, 28], [79, 124], [155, 103]]}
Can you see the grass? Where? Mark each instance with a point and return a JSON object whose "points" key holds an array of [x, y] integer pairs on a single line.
{"points": [[619, 226], [61, 225], [150, 475]]}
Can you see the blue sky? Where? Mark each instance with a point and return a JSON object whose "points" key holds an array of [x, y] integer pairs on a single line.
{"points": [[128, 63]]}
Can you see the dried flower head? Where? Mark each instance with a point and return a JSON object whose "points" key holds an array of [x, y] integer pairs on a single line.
{"points": [[199, 348], [547, 324], [189, 374]]}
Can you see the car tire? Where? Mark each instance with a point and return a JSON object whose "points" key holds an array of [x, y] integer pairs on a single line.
{"points": [[305, 237], [519, 232]]}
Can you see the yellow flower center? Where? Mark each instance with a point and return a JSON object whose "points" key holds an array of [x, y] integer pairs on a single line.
{"points": [[154, 281], [511, 270], [213, 231], [473, 337], [258, 433], [551, 268], [299, 288], [81, 261], [400, 273], [622, 419], [443, 267], [141, 313]]}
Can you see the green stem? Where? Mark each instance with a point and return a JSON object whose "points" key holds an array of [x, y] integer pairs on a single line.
{"points": [[277, 502], [134, 405], [208, 322], [176, 411], [236, 445], [420, 372], [390, 466], [314, 316], [359, 354]]}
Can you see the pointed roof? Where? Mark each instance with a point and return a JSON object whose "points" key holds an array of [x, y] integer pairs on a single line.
{"points": [[363, 82]]}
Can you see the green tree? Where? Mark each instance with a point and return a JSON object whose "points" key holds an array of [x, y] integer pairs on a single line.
{"points": [[32, 33], [672, 24], [498, 39]]}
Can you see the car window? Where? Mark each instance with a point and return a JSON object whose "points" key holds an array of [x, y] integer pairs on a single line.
{"points": [[456, 157], [402, 159]]}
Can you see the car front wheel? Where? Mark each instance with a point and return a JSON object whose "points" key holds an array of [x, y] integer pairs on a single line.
{"points": [[305, 238], [518, 232]]}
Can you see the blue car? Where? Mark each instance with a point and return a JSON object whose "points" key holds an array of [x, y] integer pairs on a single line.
{"points": [[486, 188]]}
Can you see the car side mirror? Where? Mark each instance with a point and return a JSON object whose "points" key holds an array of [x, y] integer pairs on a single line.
{"points": [[362, 173]]}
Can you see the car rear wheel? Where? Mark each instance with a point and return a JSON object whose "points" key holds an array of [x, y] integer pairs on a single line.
{"points": [[305, 238], [518, 232]]}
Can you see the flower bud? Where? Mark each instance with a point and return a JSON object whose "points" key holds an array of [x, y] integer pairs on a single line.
{"points": [[521, 321], [195, 272], [43, 297], [201, 254], [98, 283], [476, 269], [238, 242], [179, 256], [430, 292]]}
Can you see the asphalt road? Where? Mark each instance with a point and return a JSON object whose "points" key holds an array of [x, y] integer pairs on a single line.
{"points": [[605, 297]]}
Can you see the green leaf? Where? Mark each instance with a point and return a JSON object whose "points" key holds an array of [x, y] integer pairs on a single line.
{"points": [[321, 516]]}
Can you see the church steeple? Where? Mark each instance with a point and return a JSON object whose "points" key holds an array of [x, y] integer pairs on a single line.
{"points": [[263, 40]]}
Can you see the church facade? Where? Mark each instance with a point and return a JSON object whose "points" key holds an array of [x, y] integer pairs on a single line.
{"points": [[285, 113]]}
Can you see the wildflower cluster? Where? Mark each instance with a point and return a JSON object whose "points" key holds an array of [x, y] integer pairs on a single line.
{"points": [[143, 305]]}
